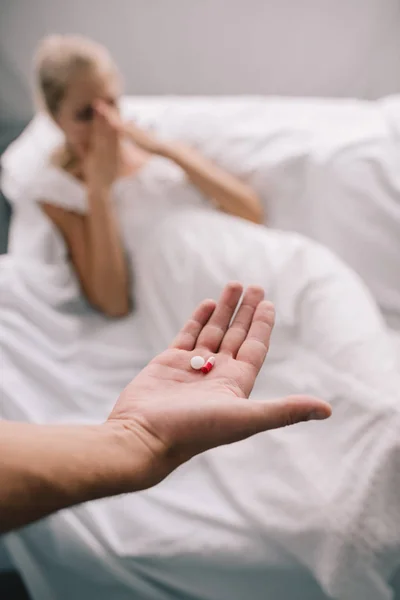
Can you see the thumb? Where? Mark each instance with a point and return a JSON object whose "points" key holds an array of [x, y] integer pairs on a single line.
{"points": [[288, 411]]}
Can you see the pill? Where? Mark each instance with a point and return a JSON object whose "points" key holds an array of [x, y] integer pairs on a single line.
{"points": [[197, 362], [209, 365]]}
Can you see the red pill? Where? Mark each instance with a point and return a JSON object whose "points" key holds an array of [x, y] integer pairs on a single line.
{"points": [[209, 365]]}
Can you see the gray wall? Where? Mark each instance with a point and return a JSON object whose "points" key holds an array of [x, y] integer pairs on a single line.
{"points": [[301, 47]]}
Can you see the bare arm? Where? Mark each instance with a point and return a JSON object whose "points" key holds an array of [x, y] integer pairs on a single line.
{"points": [[108, 275], [230, 193], [47, 468], [94, 240], [164, 417], [96, 252]]}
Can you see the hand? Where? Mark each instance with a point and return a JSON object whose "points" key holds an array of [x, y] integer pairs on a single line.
{"points": [[102, 161], [145, 140], [174, 412]]}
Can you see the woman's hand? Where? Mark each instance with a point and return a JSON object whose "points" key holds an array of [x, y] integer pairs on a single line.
{"points": [[144, 139], [172, 412], [94, 239], [101, 163]]}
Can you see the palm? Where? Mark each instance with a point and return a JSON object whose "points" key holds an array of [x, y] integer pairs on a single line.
{"points": [[231, 377], [179, 412]]}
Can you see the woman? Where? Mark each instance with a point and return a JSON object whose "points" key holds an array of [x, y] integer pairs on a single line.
{"points": [[80, 88]]}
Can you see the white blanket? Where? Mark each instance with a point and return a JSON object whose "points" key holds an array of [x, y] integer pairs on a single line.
{"points": [[308, 512], [328, 169]]}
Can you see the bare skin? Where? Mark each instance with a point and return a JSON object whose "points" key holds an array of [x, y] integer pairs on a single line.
{"points": [[103, 148], [165, 416]]}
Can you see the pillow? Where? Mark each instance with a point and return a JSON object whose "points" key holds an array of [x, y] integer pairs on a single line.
{"points": [[353, 197], [267, 139]]}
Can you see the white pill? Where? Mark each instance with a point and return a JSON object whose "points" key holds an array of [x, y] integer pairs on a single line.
{"points": [[197, 362]]}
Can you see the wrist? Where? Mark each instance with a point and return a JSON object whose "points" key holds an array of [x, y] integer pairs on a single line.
{"points": [[135, 461], [171, 150], [97, 187]]}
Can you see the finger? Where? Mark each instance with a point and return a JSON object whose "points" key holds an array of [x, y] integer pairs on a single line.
{"points": [[287, 411], [100, 113], [100, 106], [187, 337], [213, 333], [240, 326], [255, 347], [234, 419], [104, 133], [97, 123], [248, 418], [109, 114]]}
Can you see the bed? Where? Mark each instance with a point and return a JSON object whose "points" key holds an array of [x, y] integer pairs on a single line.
{"points": [[327, 169]]}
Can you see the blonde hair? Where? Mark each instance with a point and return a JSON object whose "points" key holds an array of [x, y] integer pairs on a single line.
{"points": [[59, 58]]}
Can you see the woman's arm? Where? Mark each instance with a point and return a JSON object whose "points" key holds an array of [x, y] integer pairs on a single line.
{"points": [[95, 248], [94, 239], [230, 194]]}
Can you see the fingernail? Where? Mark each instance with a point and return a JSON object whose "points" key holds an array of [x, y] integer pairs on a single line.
{"points": [[317, 415]]}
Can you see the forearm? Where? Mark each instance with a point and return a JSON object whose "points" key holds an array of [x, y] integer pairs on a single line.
{"points": [[230, 194], [108, 269], [47, 468]]}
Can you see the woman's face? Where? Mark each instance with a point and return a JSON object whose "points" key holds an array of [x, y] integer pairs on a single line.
{"points": [[75, 115]]}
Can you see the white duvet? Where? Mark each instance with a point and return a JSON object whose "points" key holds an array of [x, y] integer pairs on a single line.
{"points": [[318, 501], [309, 512]]}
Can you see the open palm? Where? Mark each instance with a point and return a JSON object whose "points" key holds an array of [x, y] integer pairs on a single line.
{"points": [[179, 412]]}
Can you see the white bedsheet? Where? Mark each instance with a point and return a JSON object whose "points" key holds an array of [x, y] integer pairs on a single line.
{"points": [[312, 510], [395, 336]]}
